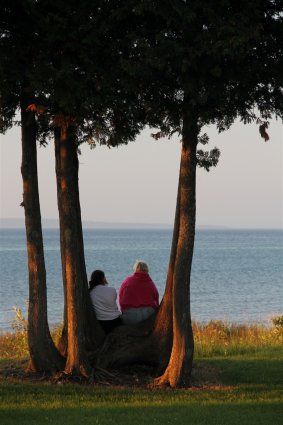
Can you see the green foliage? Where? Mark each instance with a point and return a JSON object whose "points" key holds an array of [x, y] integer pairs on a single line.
{"points": [[211, 61], [206, 159], [71, 72], [113, 67]]}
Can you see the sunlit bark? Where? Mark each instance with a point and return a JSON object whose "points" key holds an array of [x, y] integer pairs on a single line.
{"points": [[82, 331], [178, 371], [44, 356]]}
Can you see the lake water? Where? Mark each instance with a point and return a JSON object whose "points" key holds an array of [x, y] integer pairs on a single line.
{"points": [[237, 275]]}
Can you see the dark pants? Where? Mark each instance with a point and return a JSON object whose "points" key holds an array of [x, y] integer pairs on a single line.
{"points": [[108, 325]]}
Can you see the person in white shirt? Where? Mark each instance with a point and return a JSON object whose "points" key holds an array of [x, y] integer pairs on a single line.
{"points": [[104, 301]]}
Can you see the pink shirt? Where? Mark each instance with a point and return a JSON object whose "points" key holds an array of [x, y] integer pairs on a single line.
{"points": [[138, 290]]}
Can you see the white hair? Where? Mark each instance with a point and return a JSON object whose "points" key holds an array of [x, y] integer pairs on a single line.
{"points": [[140, 266]]}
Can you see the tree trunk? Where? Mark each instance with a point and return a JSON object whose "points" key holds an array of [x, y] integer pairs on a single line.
{"points": [[44, 356], [63, 342], [178, 371], [82, 330]]}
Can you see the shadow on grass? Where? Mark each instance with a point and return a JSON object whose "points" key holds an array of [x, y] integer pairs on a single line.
{"points": [[202, 414], [237, 371], [244, 390]]}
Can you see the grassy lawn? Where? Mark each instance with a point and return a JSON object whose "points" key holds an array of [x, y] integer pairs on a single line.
{"points": [[237, 376], [247, 389]]}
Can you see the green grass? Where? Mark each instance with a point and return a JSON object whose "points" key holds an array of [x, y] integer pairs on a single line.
{"points": [[237, 372], [242, 390]]}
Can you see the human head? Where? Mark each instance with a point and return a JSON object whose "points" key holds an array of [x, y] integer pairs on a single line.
{"points": [[97, 278], [140, 266]]}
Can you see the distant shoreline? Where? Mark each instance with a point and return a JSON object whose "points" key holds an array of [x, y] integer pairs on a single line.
{"points": [[16, 223]]}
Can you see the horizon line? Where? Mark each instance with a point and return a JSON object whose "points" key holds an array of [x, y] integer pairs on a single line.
{"points": [[53, 223]]}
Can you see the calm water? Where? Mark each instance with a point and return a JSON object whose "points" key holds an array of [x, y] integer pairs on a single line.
{"points": [[237, 274]]}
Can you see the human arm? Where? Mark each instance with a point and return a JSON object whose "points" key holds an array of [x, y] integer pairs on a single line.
{"points": [[121, 296]]}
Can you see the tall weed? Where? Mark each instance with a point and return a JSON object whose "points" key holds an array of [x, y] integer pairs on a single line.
{"points": [[221, 338], [14, 344], [213, 338]]}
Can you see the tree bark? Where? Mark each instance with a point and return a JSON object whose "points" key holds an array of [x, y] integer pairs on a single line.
{"points": [[63, 342], [81, 328], [178, 371], [44, 357]]}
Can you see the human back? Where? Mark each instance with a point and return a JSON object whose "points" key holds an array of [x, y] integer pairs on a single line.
{"points": [[138, 295], [138, 290], [104, 301]]}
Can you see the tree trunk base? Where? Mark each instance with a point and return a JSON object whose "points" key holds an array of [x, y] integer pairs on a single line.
{"points": [[48, 365], [166, 380], [81, 371], [175, 376], [161, 381], [31, 369], [73, 377], [136, 344]]}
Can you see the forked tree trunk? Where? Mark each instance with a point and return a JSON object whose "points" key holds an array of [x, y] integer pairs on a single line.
{"points": [[44, 357], [178, 371], [166, 340], [82, 330]]}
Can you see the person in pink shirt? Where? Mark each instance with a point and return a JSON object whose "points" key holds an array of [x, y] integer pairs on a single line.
{"points": [[138, 295]]}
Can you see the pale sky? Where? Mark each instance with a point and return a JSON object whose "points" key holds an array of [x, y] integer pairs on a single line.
{"points": [[137, 183]]}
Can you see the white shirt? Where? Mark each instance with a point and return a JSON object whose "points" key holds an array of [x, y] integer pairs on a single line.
{"points": [[104, 302]]}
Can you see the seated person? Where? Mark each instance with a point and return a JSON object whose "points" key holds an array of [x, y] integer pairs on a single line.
{"points": [[104, 301], [138, 295]]}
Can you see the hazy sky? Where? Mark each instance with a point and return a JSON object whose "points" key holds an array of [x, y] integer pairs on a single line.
{"points": [[137, 183]]}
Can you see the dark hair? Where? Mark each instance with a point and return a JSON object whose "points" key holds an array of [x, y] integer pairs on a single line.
{"points": [[97, 278]]}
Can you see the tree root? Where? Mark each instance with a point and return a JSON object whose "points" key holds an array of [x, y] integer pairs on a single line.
{"points": [[105, 377], [161, 381]]}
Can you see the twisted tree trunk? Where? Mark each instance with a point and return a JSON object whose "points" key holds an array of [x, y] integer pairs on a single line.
{"points": [[44, 356]]}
